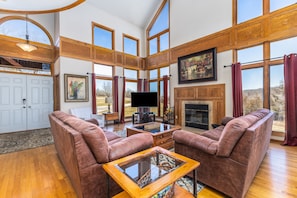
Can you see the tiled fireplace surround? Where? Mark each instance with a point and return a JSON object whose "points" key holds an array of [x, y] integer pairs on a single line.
{"points": [[212, 95]]}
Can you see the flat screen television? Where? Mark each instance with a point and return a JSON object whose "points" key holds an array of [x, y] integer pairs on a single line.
{"points": [[144, 99]]}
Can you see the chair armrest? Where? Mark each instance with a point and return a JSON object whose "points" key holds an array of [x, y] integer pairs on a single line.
{"points": [[99, 118], [130, 145], [190, 139], [93, 120]]}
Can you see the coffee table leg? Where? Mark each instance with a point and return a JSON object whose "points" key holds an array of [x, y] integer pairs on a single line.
{"points": [[195, 182]]}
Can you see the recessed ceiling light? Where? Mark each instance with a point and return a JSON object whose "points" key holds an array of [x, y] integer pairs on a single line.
{"points": [[37, 7]]}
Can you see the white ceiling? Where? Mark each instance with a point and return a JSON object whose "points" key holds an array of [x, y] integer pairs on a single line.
{"points": [[138, 12]]}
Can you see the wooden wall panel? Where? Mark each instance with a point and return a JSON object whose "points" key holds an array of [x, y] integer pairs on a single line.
{"points": [[104, 56], [44, 53], [75, 49], [131, 61], [252, 33], [214, 93], [159, 60], [119, 58], [184, 93], [288, 24]]}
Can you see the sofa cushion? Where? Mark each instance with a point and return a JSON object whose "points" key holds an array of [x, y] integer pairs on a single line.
{"points": [[232, 133], [214, 134], [226, 119], [94, 137]]}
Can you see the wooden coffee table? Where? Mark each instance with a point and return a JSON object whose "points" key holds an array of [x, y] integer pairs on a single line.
{"points": [[162, 133], [146, 173]]}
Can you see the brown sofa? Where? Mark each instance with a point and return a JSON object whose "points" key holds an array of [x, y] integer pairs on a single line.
{"points": [[230, 155], [83, 147]]}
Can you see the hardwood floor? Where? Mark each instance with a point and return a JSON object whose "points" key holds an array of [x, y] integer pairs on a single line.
{"points": [[38, 173]]}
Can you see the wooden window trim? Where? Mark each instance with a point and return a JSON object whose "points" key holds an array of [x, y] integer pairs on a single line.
{"points": [[132, 38], [105, 28]]}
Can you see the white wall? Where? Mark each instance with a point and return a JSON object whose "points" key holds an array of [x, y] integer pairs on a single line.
{"points": [[74, 66], [193, 19]]}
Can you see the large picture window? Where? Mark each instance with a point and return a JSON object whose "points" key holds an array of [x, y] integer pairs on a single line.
{"points": [[103, 87], [277, 97], [247, 10], [252, 87], [131, 86], [158, 30], [156, 84], [263, 79], [103, 36], [131, 45]]}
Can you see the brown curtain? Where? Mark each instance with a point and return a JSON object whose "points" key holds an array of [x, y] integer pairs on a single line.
{"points": [[165, 102], [140, 85], [115, 94], [122, 119], [94, 106], [237, 90], [290, 74], [146, 85]]}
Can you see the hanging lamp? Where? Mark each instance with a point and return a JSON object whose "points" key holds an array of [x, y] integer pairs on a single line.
{"points": [[27, 47]]}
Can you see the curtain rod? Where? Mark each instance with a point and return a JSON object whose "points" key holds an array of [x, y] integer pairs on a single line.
{"points": [[257, 61]]}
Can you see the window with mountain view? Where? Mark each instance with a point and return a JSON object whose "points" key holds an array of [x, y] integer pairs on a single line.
{"points": [[277, 97], [252, 87]]}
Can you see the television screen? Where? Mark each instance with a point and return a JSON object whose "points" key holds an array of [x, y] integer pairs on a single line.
{"points": [[144, 99]]}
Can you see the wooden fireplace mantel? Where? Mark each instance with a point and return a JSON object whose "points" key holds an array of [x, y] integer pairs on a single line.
{"points": [[210, 93]]}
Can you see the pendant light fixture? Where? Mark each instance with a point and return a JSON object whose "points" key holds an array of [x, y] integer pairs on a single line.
{"points": [[27, 47]]}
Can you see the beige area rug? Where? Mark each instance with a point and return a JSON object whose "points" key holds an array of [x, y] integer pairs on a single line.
{"points": [[17, 141]]}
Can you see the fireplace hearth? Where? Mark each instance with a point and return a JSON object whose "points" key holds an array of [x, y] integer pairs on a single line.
{"points": [[197, 116]]}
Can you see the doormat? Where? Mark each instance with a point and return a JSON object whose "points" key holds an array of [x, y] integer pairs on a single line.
{"points": [[17, 141]]}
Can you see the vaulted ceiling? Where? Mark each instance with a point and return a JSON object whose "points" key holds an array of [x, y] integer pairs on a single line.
{"points": [[138, 12]]}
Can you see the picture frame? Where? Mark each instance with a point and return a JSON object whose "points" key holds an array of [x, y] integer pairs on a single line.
{"points": [[198, 67], [76, 88]]}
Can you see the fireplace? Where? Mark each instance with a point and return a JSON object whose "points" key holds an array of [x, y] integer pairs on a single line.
{"points": [[196, 115]]}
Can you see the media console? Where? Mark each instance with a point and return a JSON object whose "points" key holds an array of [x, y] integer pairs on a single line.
{"points": [[143, 117]]}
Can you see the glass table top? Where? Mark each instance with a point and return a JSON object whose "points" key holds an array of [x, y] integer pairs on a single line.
{"points": [[148, 168]]}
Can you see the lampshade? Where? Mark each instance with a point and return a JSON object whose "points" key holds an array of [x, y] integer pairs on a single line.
{"points": [[37, 7], [108, 100], [26, 46]]}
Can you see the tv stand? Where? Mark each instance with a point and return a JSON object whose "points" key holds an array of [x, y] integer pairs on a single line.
{"points": [[143, 117]]}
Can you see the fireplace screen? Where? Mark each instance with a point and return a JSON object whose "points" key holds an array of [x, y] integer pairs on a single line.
{"points": [[196, 115]]}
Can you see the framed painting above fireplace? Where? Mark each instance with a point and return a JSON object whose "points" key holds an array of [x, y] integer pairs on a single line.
{"points": [[198, 67]]}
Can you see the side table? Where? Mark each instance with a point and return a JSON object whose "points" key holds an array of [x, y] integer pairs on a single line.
{"points": [[111, 117]]}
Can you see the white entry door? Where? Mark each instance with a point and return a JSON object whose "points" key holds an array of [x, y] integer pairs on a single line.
{"points": [[12, 109], [25, 102], [39, 101]]}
